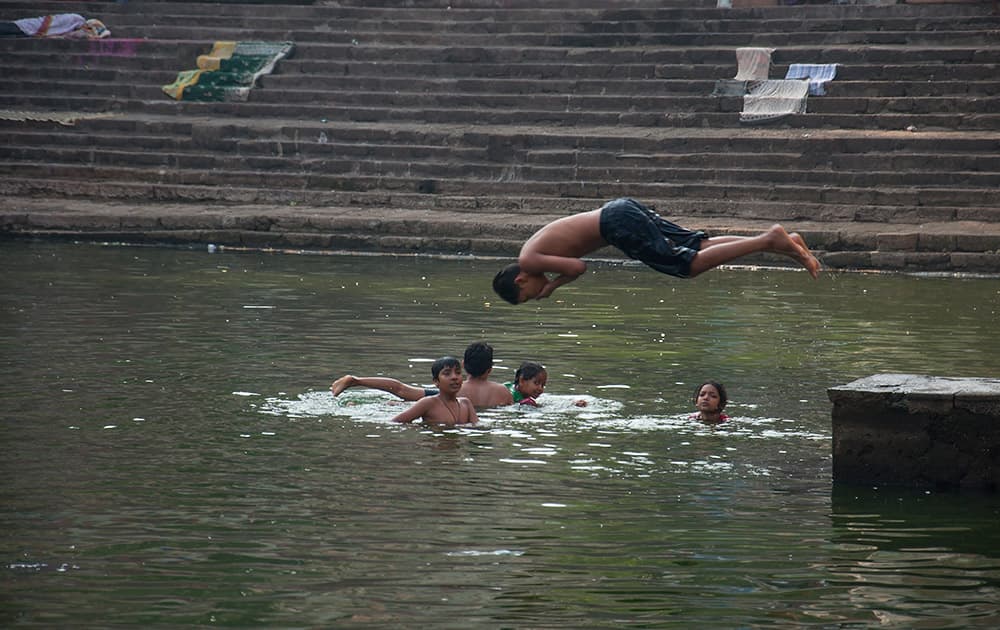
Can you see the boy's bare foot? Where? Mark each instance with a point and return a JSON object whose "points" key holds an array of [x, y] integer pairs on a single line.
{"points": [[798, 240], [794, 246], [341, 384]]}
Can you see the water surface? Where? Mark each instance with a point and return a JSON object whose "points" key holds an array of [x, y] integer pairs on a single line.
{"points": [[172, 455]]}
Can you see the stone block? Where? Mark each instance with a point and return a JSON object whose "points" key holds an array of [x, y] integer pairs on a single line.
{"points": [[930, 242], [848, 260], [888, 260], [916, 430], [977, 242], [741, 4], [906, 241], [973, 262]]}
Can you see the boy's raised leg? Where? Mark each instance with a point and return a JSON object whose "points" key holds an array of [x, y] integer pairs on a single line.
{"points": [[723, 249]]}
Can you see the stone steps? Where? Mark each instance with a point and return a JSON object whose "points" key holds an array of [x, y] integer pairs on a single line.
{"points": [[419, 115]]}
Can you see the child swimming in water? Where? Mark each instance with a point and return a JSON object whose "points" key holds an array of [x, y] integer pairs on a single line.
{"points": [[529, 383], [446, 407], [478, 363], [710, 399]]}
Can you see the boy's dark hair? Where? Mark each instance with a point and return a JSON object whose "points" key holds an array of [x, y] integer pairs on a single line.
{"points": [[442, 363], [719, 387], [528, 370], [504, 284], [478, 358]]}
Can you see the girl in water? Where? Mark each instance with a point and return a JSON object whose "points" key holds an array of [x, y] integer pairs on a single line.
{"points": [[710, 399], [529, 384]]}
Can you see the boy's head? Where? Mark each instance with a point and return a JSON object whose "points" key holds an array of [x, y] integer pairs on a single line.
{"points": [[516, 286], [478, 358], [442, 363]]}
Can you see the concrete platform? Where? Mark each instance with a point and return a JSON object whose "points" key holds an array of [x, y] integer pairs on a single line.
{"points": [[916, 430]]}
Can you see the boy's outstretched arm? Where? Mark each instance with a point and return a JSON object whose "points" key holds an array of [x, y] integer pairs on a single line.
{"points": [[386, 384]]}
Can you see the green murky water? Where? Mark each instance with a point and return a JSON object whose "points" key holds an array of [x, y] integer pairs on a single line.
{"points": [[171, 454]]}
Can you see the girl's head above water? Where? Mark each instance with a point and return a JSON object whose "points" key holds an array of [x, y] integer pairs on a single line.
{"points": [[705, 391], [530, 379], [710, 399]]}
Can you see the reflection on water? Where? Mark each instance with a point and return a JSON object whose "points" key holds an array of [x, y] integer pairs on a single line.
{"points": [[172, 454]]}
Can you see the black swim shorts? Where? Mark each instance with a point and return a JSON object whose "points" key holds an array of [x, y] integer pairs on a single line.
{"points": [[645, 236]]}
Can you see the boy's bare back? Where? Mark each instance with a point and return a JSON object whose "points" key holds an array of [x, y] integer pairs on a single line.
{"points": [[484, 393], [569, 237]]}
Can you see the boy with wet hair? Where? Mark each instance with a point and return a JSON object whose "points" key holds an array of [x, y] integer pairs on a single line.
{"points": [[641, 234], [446, 407], [478, 361]]}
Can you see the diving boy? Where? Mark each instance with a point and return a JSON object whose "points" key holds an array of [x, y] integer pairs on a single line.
{"points": [[641, 234], [478, 362], [445, 407]]}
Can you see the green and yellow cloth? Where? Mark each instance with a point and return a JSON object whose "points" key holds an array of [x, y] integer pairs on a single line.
{"points": [[229, 72]]}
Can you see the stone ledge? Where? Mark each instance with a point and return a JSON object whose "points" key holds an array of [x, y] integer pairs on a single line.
{"points": [[908, 429]]}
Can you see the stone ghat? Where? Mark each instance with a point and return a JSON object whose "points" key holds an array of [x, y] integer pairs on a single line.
{"points": [[392, 120]]}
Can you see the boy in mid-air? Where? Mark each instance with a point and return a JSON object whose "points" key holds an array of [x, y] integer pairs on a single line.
{"points": [[445, 407], [641, 234]]}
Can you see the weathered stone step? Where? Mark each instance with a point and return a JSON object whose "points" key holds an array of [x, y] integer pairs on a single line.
{"points": [[931, 79], [522, 10], [960, 51], [206, 131], [839, 87], [36, 83], [510, 144], [947, 65], [724, 113], [289, 137], [817, 53], [794, 153], [644, 38], [691, 69], [27, 178], [724, 169], [640, 31], [838, 218]]}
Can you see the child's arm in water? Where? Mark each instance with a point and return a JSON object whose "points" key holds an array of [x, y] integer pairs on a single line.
{"points": [[391, 385], [416, 411], [466, 403]]}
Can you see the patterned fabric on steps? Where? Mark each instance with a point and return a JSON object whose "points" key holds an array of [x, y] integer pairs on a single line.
{"points": [[229, 72]]}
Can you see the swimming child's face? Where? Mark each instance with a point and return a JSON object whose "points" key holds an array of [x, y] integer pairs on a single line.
{"points": [[533, 387], [708, 399], [530, 285], [449, 379]]}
